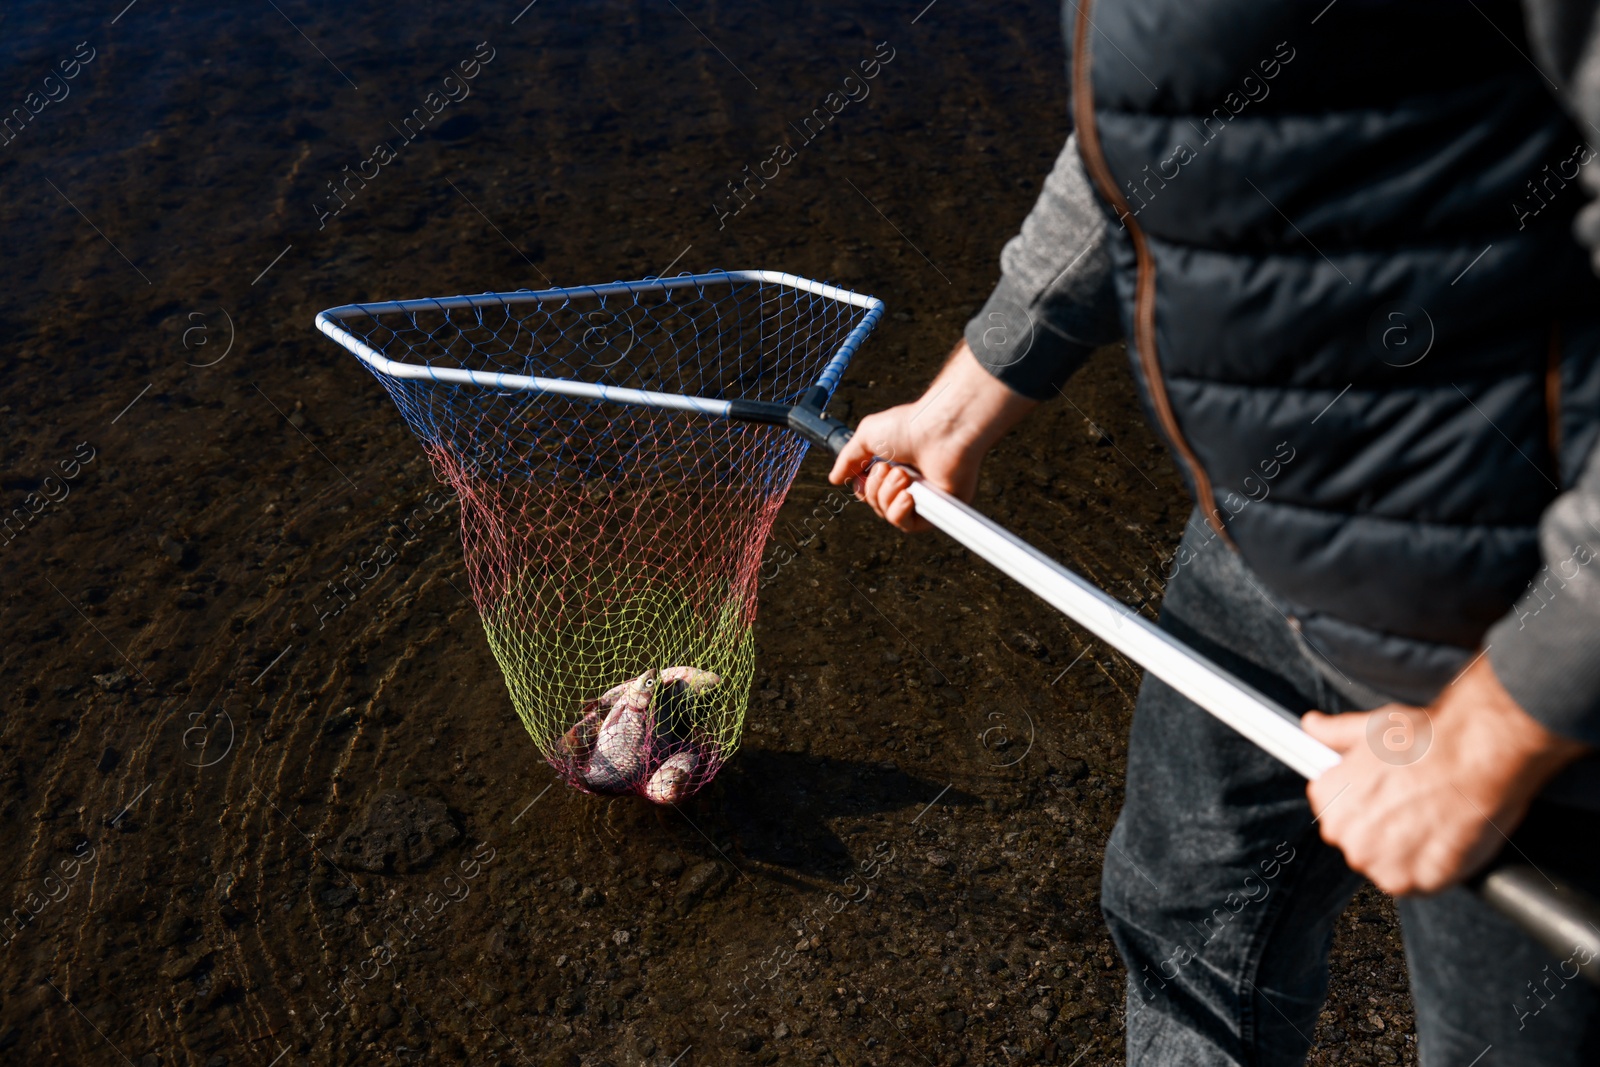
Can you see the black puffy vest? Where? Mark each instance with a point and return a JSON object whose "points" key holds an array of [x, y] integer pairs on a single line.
{"points": [[1353, 301]]}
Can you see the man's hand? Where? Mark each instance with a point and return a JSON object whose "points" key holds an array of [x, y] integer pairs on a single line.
{"points": [[1425, 796], [944, 435]]}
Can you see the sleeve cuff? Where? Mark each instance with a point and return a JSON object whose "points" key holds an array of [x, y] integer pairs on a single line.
{"points": [[1016, 345]]}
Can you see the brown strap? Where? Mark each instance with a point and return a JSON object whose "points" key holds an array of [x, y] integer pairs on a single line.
{"points": [[1144, 300]]}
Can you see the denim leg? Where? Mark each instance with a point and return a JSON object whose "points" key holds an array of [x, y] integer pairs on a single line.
{"points": [[1477, 981], [1222, 899], [1217, 890]]}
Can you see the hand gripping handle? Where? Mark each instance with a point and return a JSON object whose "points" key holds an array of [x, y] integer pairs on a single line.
{"points": [[1560, 917]]}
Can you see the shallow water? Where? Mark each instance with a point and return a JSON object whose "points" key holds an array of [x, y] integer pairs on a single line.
{"points": [[211, 684]]}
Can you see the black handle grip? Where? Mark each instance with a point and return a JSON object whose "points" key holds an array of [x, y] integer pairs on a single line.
{"points": [[805, 418], [1563, 919], [819, 429]]}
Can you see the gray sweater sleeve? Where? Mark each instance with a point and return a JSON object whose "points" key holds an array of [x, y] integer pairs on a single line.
{"points": [[1565, 35], [1546, 652], [1055, 302]]}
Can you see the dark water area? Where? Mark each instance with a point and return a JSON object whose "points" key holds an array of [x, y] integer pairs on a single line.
{"points": [[245, 828]]}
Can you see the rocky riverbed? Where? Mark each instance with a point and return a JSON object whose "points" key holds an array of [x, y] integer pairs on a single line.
{"points": [[264, 799]]}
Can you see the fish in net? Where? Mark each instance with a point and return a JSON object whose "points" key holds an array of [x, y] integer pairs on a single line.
{"points": [[619, 453]]}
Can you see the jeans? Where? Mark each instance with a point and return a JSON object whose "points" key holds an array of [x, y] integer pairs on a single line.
{"points": [[1222, 898]]}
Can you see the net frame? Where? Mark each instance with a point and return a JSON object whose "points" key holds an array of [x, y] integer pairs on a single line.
{"points": [[429, 382], [332, 323]]}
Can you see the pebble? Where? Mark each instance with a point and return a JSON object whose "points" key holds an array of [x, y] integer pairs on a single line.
{"points": [[340, 721], [182, 966], [115, 682], [173, 549], [704, 880], [396, 831], [337, 896]]}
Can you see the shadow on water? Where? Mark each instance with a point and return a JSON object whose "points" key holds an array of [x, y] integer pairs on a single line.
{"points": [[782, 807]]}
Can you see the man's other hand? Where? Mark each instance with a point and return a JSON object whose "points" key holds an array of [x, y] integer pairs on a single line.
{"points": [[944, 435], [1423, 797]]}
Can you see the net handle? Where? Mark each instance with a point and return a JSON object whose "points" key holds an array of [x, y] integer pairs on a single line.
{"points": [[332, 323], [1562, 918]]}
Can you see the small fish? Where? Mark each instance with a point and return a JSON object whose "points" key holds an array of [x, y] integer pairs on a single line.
{"points": [[692, 680], [611, 745], [621, 744], [577, 744], [673, 779], [672, 710]]}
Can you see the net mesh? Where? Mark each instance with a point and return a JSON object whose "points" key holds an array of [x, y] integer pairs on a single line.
{"points": [[613, 550]]}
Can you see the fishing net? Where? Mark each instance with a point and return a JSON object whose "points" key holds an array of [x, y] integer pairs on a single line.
{"points": [[613, 547]]}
